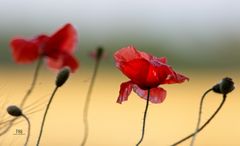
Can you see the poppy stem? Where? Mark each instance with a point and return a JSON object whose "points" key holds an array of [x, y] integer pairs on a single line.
{"points": [[205, 124], [87, 102], [199, 116], [29, 129], [144, 118], [45, 114], [35, 75], [39, 63]]}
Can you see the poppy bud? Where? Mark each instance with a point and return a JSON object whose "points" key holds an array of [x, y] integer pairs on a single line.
{"points": [[62, 76], [99, 52], [225, 86], [13, 110]]}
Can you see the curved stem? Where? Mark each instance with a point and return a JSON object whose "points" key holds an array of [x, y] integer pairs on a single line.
{"points": [[144, 118], [86, 104], [45, 114], [25, 97], [204, 125], [35, 75], [29, 129], [199, 116]]}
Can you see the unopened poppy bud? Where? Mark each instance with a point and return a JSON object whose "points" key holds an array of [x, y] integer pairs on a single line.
{"points": [[225, 86], [13, 110], [99, 53], [62, 76]]}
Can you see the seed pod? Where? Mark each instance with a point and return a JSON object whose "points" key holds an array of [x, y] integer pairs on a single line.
{"points": [[13, 110], [225, 86], [62, 76], [99, 53]]}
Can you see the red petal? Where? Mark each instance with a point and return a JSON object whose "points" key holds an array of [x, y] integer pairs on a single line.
{"points": [[63, 60], [125, 90], [138, 71], [64, 40], [174, 77], [152, 58], [145, 55], [143, 73], [40, 40], [126, 54], [24, 51], [162, 60], [157, 95], [145, 70]]}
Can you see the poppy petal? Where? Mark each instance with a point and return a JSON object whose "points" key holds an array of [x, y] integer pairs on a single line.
{"points": [[145, 55], [174, 77], [64, 40], [157, 95], [126, 54], [63, 60], [132, 70], [24, 51], [162, 60], [40, 40], [125, 90]]}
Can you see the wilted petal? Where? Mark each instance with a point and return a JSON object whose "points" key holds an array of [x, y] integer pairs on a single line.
{"points": [[63, 60], [24, 51], [64, 40], [125, 90], [157, 95]]}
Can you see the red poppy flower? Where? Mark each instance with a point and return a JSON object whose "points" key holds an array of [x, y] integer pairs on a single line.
{"points": [[145, 72], [57, 49]]}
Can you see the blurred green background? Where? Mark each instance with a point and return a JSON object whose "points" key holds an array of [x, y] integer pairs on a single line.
{"points": [[190, 33], [200, 39]]}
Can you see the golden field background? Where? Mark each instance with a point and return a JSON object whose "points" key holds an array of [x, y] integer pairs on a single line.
{"points": [[200, 39], [112, 124]]}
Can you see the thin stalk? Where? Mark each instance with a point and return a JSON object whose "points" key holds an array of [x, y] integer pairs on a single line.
{"points": [[45, 114], [87, 102], [26, 95], [199, 116], [204, 125], [144, 118], [35, 75], [29, 129]]}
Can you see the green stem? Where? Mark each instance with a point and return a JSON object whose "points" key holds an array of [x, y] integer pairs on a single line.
{"points": [[204, 125], [199, 116], [45, 114], [144, 119], [87, 102]]}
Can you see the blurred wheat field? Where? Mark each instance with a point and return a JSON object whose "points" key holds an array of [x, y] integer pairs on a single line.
{"points": [[112, 124]]}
